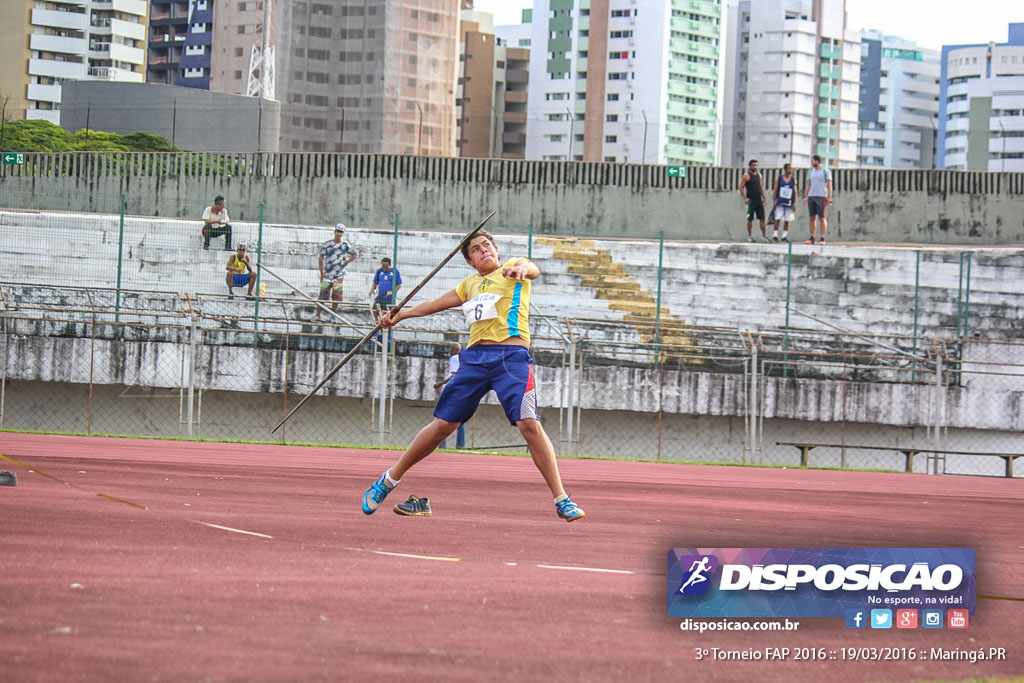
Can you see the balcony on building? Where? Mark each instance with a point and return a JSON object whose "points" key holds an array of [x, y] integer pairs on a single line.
{"points": [[44, 92], [59, 44], [53, 68], [76, 21], [831, 52], [828, 92]]}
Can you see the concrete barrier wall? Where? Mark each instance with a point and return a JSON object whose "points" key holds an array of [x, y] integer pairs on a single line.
{"points": [[634, 390], [584, 199]]}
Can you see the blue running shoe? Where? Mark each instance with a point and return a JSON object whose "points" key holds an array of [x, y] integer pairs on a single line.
{"points": [[375, 495], [414, 507], [569, 511]]}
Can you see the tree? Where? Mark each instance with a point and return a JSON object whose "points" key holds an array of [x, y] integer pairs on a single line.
{"points": [[148, 142], [35, 136], [43, 136], [87, 140]]}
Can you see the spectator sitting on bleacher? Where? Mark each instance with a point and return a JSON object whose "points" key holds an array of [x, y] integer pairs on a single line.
{"points": [[240, 272], [216, 223]]}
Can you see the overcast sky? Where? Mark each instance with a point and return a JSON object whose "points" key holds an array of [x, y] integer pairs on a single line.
{"points": [[929, 23]]}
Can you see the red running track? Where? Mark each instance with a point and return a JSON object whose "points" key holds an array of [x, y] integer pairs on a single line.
{"points": [[93, 588]]}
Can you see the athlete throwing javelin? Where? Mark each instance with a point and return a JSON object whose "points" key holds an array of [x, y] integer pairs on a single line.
{"points": [[496, 303]]}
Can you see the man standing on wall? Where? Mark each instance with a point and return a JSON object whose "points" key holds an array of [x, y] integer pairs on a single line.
{"points": [[752, 191], [785, 198], [817, 196]]}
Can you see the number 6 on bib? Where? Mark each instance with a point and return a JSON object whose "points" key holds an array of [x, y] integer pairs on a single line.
{"points": [[481, 307]]}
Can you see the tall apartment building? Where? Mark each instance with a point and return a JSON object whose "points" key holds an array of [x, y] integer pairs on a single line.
{"points": [[368, 76], [792, 88], [492, 95], [981, 105], [204, 44], [619, 80], [899, 103], [169, 23], [49, 42]]}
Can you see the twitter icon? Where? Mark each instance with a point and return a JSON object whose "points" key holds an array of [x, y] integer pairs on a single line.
{"points": [[881, 618]]}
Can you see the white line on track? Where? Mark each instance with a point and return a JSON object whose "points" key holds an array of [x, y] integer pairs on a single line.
{"points": [[237, 531], [585, 569], [415, 557]]}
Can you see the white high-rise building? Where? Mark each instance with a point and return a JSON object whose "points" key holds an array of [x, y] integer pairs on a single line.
{"points": [[899, 103], [624, 81], [792, 83], [68, 40], [981, 105]]}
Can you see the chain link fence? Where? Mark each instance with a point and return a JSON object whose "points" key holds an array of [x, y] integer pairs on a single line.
{"points": [[767, 354]]}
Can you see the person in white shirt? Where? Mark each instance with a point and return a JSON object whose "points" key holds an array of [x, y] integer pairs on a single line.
{"points": [[216, 224]]}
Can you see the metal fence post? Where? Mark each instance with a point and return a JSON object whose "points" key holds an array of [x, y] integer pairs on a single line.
{"points": [[382, 385], [259, 294], [917, 293], [120, 255], [937, 416], [785, 341], [529, 242], [394, 252], [3, 376], [191, 373], [753, 402], [657, 311], [570, 395]]}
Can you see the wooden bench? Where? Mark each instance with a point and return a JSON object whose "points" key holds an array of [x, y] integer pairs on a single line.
{"points": [[908, 452]]}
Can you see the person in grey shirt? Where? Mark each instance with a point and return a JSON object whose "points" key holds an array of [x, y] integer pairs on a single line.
{"points": [[817, 196]]}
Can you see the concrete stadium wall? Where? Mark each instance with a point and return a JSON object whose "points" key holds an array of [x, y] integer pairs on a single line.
{"points": [[621, 396], [559, 198]]}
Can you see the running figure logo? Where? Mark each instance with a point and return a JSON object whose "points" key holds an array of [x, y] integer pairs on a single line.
{"points": [[695, 581]]}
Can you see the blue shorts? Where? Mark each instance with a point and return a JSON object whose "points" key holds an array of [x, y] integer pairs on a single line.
{"points": [[506, 369], [240, 279]]}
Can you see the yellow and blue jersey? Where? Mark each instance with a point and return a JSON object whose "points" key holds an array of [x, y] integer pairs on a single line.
{"points": [[496, 308]]}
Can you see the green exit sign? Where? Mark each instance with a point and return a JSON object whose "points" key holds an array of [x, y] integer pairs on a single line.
{"points": [[14, 157], [676, 171]]}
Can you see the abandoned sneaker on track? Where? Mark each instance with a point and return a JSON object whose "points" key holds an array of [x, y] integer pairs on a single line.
{"points": [[376, 494], [568, 510], [414, 507]]}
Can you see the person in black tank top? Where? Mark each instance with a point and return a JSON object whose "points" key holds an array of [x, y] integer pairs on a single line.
{"points": [[752, 191]]}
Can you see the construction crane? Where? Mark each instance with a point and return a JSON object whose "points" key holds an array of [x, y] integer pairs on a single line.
{"points": [[261, 60]]}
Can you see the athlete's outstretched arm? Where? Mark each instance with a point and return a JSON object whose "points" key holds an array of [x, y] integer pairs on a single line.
{"points": [[441, 303], [521, 270]]}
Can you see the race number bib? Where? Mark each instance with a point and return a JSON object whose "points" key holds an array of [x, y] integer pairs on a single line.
{"points": [[785, 192], [481, 307]]}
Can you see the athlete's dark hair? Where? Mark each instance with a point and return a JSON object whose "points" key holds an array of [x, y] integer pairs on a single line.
{"points": [[481, 233]]}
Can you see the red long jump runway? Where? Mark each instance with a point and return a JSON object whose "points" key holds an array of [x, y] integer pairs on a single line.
{"points": [[137, 585]]}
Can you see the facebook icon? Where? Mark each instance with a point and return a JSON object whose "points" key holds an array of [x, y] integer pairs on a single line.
{"points": [[856, 618]]}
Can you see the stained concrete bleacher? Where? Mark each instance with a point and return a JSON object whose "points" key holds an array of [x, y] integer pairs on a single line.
{"points": [[862, 289]]}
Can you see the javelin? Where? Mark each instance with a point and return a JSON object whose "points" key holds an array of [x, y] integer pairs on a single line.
{"points": [[362, 342]]}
